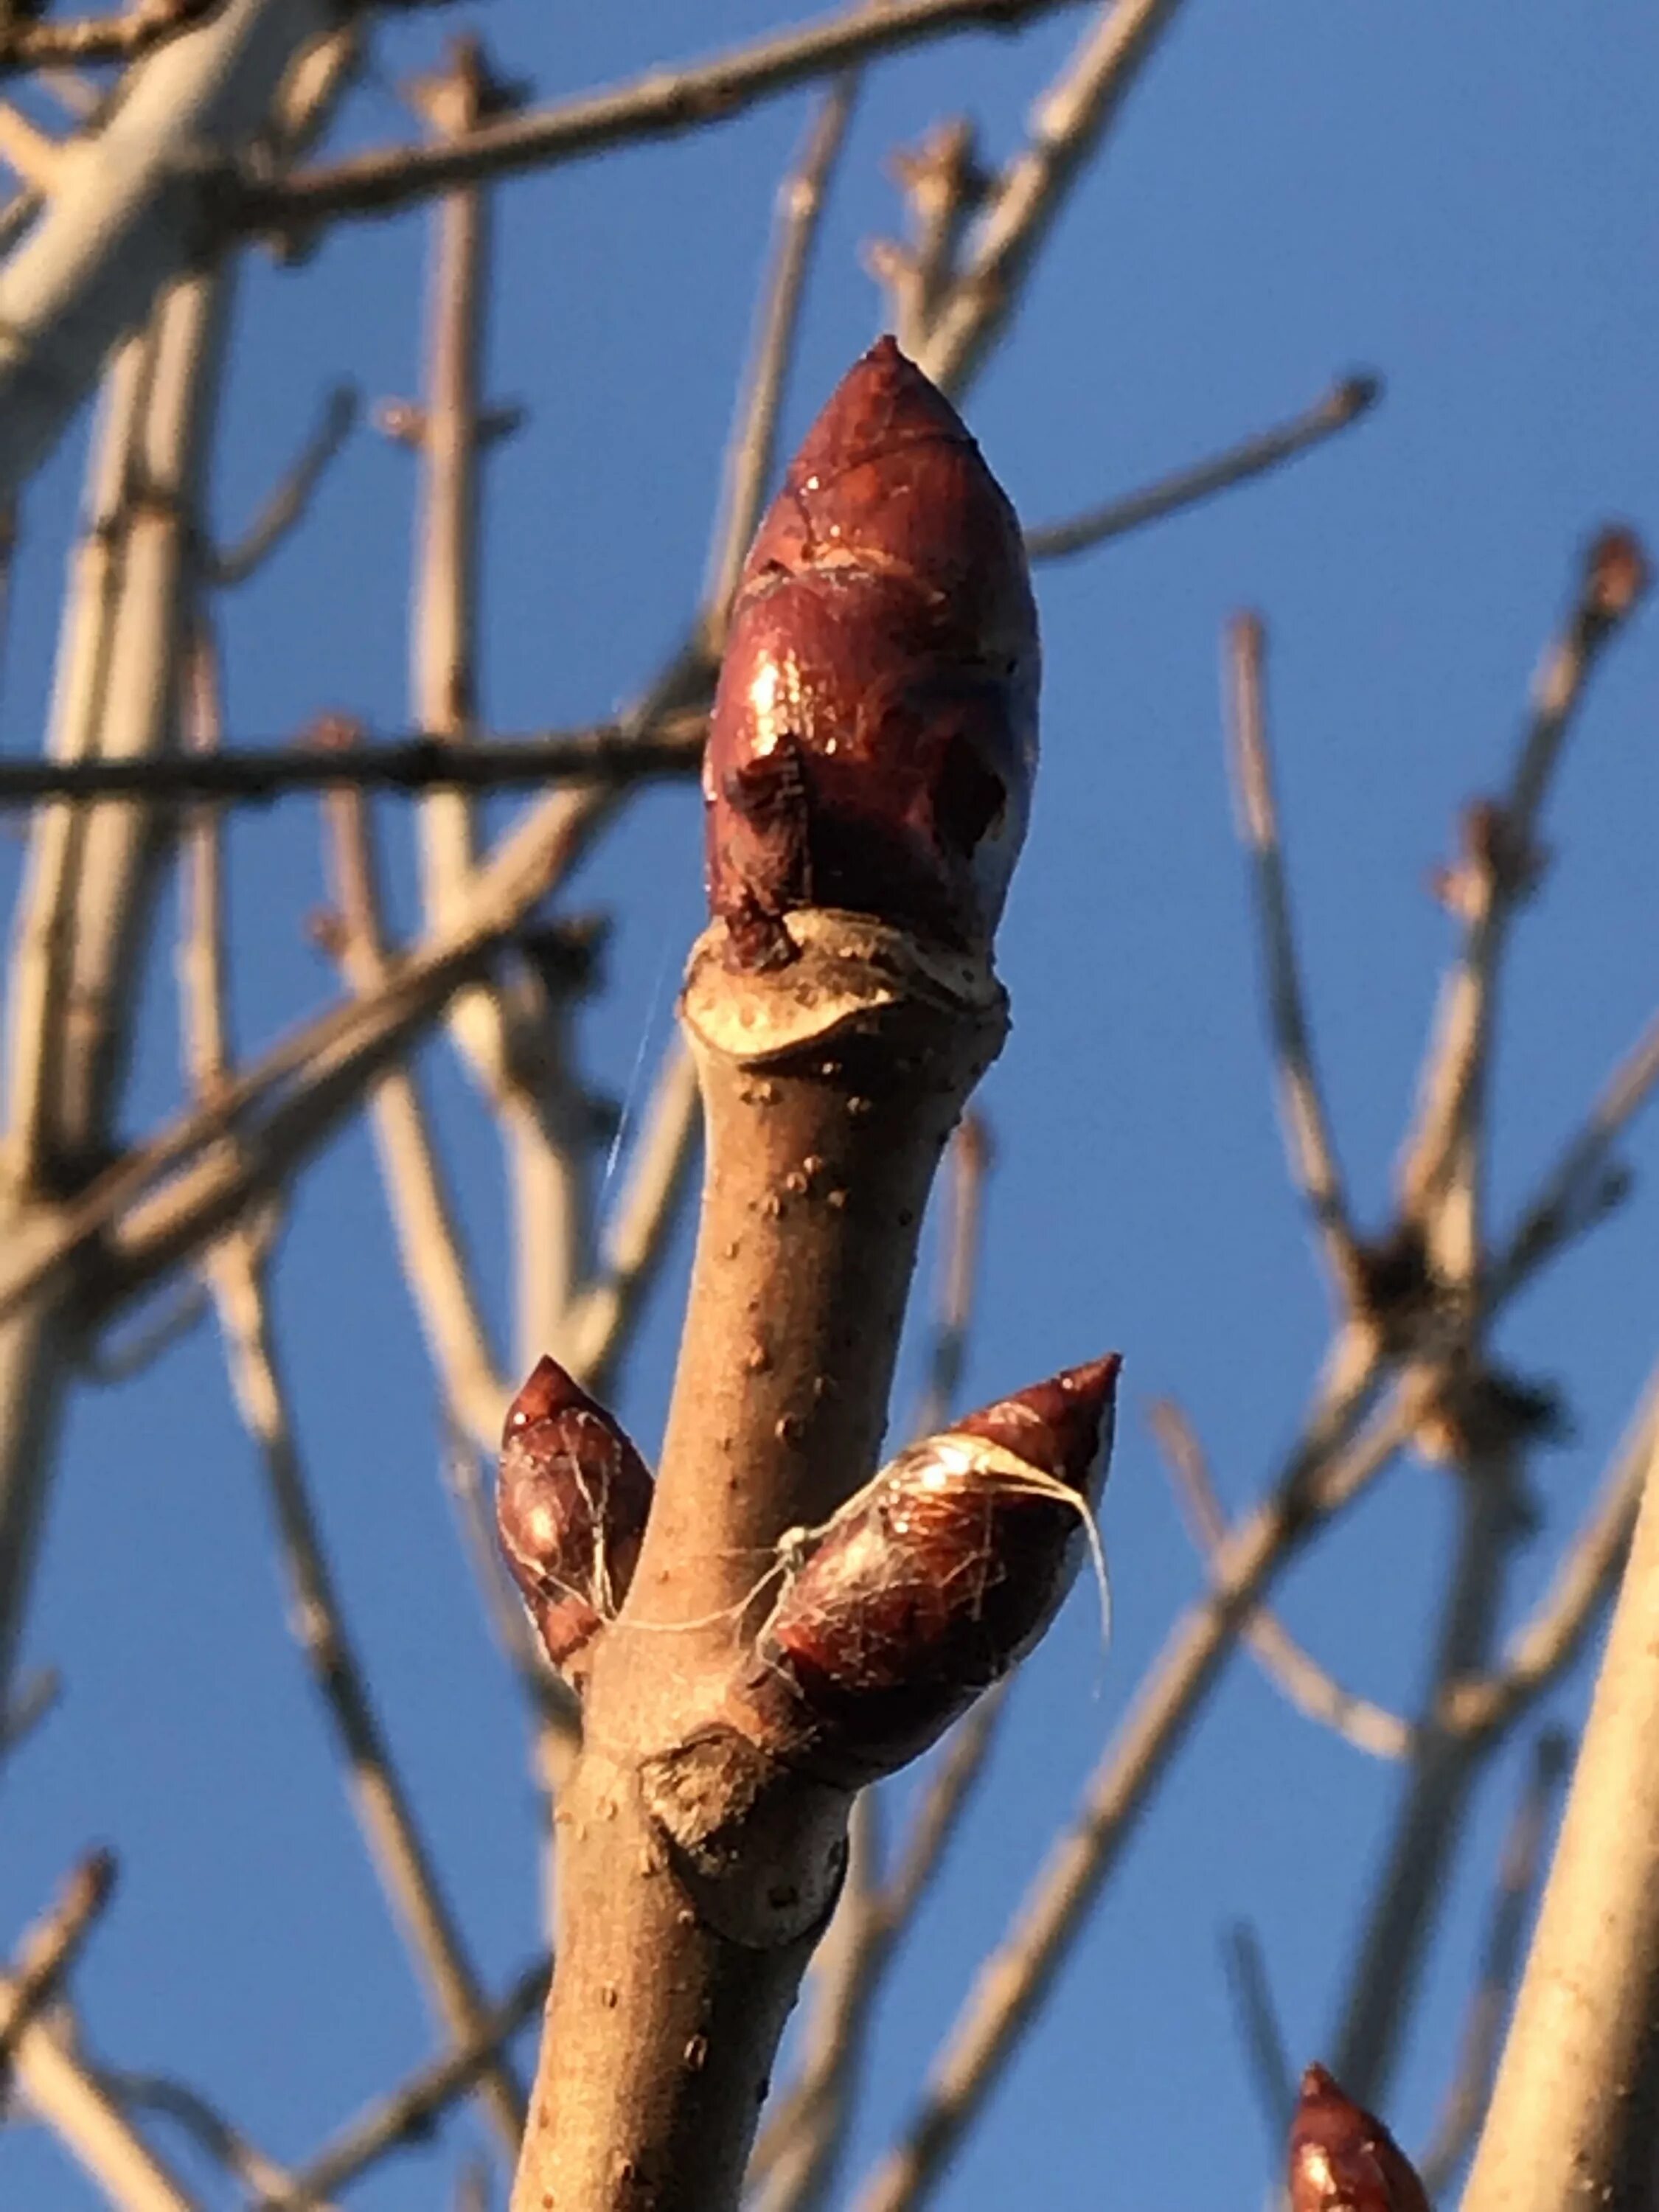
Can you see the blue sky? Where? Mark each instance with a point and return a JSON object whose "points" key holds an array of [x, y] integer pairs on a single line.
{"points": [[1459, 197]]}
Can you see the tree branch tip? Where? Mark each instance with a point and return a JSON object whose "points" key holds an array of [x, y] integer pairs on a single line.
{"points": [[1617, 577], [1356, 394]]}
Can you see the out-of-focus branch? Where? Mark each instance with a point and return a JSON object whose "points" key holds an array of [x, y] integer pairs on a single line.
{"points": [[1310, 1688], [967, 1164], [123, 38], [423, 1218], [50, 1949], [658, 104], [289, 502], [942, 184], [751, 454], [36, 1699], [1519, 1874], [222, 2141], [1067, 125], [609, 753], [1260, 2030], [235, 1269], [407, 2114], [1309, 1144], [1575, 2112], [1341, 406], [70, 2095]]}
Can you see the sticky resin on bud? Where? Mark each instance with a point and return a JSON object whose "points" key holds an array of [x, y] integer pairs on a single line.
{"points": [[932, 1580], [1342, 2158], [874, 738], [571, 1497]]}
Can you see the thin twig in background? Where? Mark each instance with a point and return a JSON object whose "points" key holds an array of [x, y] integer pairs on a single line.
{"points": [[289, 502], [407, 2114], [26, 45], [235, 1269], [662, 103], [752, 454], [121, 1357], [1260, 2029], [609, 752], [49, 1949], [942, 184], [37, 1697], [1309, 1145], [207, 2125], [70, 2095], [969, 1161], [1519, 1877], [1308, 1686], [1341, 406]]}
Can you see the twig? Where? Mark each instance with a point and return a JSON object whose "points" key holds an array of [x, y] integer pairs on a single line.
{"points": [[38, 1698], [49, 1949], [1067, 124], [635, 1240], [1342, 405], [658, 104], [120, 38], [942, 184], [1581, 1187], [1583, 1583], [1309, 1145], [72, 2099], [1308, 1685], [751, 454], [156, 1333], [1575, 2111], [1519, 1875], [423, 1218], [236, 1271], [1260, 2030], [288, 504], [409, 2112], [177, 2101], [609, 753]]}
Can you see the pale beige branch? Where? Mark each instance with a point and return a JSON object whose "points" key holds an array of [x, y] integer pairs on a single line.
{"points": [[1519, 1875], [218, 2137], [1341, 406], [942, 184], [50, 1949], [1308, 1685], [1575, 2112], [967, 1164], [116, 38], [290, 502], [1309, 1147]]}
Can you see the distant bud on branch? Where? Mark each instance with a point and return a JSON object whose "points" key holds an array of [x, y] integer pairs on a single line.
{"points": [[874, 733], [1343, 2159], [933, 1580], [571, 1502]]}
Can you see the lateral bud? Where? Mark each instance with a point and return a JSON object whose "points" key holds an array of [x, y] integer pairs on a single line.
{"points": [[932, 1581], [873, 739], [1342, 2158], [572, 1498]]}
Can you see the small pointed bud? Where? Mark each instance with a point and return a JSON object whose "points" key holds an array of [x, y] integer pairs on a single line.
{"points": [[873, 739], [571, 1502], [933, 1580], [1343, 2159]]}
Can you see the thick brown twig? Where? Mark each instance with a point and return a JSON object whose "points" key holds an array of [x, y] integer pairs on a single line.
{"points": [[218, 2137], [123, 38], [1341, 406], [288, 503], [657, 104]]}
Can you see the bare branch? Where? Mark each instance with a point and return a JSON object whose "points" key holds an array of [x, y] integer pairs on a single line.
{"points": [[1308, 1685], [943, 185], [289, 502], [752, 454], [1342, 405], [408, 2113], [660, 103], [123, 38], [1575, 2111], [1519, 1875], [70, 2096], [969, 1161], [1309, 1145], [177, 2101], [1260, 2030], [50, 1949], [609, 753]]}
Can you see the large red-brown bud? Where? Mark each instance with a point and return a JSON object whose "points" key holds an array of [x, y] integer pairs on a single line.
{"points": [[932, 1581], [571, 1501], [1344, 2159], [874, 733]]}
